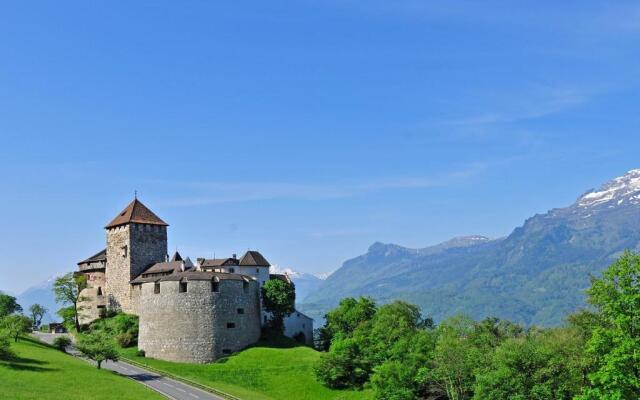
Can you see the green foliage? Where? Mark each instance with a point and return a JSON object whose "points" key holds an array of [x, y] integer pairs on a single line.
{"points": [[5, 350], [61, 343], [540, 366], [37, 312], [278, 298], [360, 345], [614, 343], [67, 291], [98, 347], [8, 305], [344, 319], [68, 315], [15, 325], [126, 339], [124, 327], [39, 372]]}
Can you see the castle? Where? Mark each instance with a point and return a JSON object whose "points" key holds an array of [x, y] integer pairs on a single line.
{"points": [[189, 312]]}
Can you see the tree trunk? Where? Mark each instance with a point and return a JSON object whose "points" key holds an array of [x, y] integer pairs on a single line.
{"points": [[75, 312], [99, 364]]}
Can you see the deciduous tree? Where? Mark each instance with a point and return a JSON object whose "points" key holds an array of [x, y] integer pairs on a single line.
{"points": [[67, 290], [615, 340], [37, 312], [15, 325], [278, 298], [8, 305], [97, 347]]}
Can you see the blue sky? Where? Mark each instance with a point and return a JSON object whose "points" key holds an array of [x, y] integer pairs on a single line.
{"points": [[305, 129]]}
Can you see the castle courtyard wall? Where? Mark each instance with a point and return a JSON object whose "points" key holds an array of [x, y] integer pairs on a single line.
{"points": [[193, 326]]}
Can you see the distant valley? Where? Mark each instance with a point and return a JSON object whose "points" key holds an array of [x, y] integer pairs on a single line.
{"points": [[536, 275]]}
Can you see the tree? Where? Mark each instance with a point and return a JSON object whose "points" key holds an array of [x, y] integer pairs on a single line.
{"points": [[278, 298], [67, 290], [615, 341], [455, 358], [68, 317], [8, 305], [5, 349], [97, 347], [15, 325], [344, 319], [37, 312], [541, 365], [61, 343]]}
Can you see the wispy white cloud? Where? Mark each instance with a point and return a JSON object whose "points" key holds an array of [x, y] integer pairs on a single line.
{"points": [[529, 106], [206, 193]]}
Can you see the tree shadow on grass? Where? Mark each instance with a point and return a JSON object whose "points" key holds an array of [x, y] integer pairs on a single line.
{"points": [[25, 364]]}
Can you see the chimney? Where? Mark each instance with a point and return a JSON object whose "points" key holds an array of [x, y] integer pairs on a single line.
{"points": [[235, 256]]}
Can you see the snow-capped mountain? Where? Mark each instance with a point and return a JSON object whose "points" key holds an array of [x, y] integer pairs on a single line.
{"points": [[536, 275], [624, 189], [42, 294], [305, 282]]}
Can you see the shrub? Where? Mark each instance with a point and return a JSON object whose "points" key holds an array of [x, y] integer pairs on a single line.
{"points": [[126, 339], [44, 328], [61, 343], [5, 350], [140, 353], [98, 347]]}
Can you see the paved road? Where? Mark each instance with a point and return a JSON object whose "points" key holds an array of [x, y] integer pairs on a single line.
{"points": [[170, 388]]}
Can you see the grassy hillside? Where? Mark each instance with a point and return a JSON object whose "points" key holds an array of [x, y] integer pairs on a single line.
{"points": [[40, 372], [259, 373]]}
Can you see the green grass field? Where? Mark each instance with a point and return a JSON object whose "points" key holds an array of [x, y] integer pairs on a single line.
{"points": [[41, 372], [259, 373]]}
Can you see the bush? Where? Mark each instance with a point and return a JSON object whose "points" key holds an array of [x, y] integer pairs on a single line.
{"points": [[61, 343], [140, 353], [5, 350], [126, 339], [44, 328]]}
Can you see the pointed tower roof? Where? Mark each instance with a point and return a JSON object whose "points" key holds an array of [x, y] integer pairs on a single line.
{"points": [[254, 258], [136, 213], [176, 256]]}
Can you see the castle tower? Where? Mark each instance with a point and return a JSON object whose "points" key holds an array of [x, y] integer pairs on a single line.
{"points": [[136, 239]]}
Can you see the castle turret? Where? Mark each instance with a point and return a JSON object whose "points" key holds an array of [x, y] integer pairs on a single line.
{"points": [[136, 239]]}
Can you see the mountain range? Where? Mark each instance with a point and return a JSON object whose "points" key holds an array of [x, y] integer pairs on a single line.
{"points": [[535, 275]]}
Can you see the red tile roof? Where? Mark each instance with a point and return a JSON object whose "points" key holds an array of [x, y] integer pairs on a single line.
{"points": [[137, 213]]}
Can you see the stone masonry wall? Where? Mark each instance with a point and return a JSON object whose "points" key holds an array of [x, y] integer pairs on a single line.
{"points": [[117, 270], [131, 249], [192, 326]]}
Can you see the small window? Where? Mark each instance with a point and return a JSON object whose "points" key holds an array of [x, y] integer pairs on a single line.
{"points": [[245, 285], [231, 325], [226, 351], [257, 270], [99, 291], [303, 326], [215, 286], [183, 287], [240, 310], [123, 250], [156, 288], [265, 319], [232, 270]]}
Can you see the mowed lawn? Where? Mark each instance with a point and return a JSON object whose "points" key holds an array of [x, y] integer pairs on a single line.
{"points": [[259, 373], [41, 372]]}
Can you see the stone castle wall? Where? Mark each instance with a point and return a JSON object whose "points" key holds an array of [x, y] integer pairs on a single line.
{"points": [[193, 326], [130, 249]]}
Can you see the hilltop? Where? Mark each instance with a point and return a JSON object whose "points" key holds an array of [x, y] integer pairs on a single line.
{"points": [[535, 275]]}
